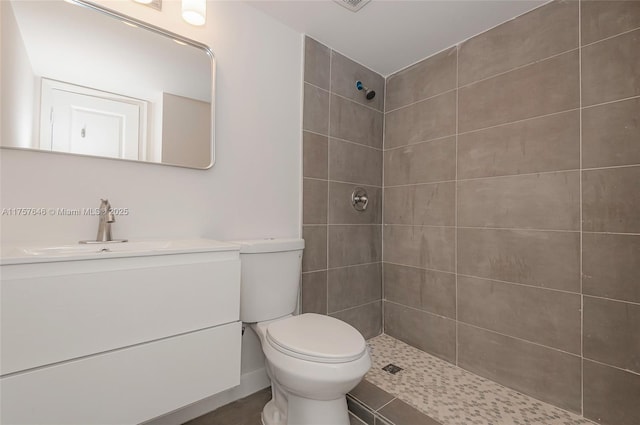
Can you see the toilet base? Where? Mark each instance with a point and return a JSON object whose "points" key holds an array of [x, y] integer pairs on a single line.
{"points": [[304, 411]]}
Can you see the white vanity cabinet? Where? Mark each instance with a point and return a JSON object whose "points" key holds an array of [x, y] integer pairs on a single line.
{"points": [[117, 339]]}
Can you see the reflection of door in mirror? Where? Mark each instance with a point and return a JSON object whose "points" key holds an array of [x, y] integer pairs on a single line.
{"points": [[80, 120]]}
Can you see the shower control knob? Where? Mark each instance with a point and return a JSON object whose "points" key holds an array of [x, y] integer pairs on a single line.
{"points": [[359, 199]]}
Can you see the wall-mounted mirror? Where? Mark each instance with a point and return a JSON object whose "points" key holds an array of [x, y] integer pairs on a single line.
{"points": [[79, 79]]}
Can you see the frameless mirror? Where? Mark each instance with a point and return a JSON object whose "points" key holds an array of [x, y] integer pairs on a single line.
{"points": [[80, 79]]}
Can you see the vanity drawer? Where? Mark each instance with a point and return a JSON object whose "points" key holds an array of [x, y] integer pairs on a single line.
{"points": [[52, 315], [126, 386]]}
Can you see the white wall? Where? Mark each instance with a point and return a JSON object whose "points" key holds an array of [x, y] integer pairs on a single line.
{"points": [[17, 96], [253, 189]]}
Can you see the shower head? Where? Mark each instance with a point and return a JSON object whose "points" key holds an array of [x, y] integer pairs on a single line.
{"points": [[370, 94]]}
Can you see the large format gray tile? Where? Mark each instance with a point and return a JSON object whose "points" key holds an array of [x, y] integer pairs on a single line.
{"points": [[432, 204], [538, 315], [353, 163], [611, 266], [544, 373], [602, 19], [426, 247], [433, 161], [434, 334], [354, 244], [611, 333], [315, 248], [344, 74], [428, 290], [341, 210], [539, 201], [539, 89], [316, 63], [356, 123], [354, 286], [315, 160], [549, 143], [427, 78], [539, 258], [314, 292], [611, 69], [539, 34], [314, 201], [422, 121], [611, 395], [360, 412], [367, 319], [315, 116], [371, 395], [611, 200], [611, 134], [400, 413]]}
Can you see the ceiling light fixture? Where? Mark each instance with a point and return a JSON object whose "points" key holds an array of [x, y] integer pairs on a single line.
{"points": [[194, 11]]}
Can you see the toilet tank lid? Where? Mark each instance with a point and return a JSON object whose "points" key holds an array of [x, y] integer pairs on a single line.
{"points": [[254, 246]]}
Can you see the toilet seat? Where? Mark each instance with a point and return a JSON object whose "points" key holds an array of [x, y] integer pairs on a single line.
{"points": [[316, 338]]}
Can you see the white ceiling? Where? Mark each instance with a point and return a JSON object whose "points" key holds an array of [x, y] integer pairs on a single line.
{"points": [[388, 35]]}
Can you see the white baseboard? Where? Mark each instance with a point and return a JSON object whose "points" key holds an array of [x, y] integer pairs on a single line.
{"points": [[250, 382]]}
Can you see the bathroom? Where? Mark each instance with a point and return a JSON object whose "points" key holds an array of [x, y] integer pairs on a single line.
{"points": [[501, 164]]}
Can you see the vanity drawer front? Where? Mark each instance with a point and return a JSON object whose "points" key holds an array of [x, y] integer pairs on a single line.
{"points": [[126, 386], [48, 319]]}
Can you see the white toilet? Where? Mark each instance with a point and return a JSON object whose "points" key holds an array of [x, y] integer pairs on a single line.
{"points": [[312, 360]]}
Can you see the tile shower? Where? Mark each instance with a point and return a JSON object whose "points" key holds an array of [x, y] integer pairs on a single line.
{"points": [[504, 177]]}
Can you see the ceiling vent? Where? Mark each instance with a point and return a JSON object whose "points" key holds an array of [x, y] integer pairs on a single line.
{"points": [[352, 5]]}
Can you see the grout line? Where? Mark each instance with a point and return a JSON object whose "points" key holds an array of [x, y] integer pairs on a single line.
{"points": [[485, 228], [326, 281], [607, 38], [421, 310], [385, 405], [354, 265], [518, 229], [612, 366], [520, 67], [419, 268], [581, 216], [418, 184], [352, 307], [624, 99], [342, 140], [349, 183], [521, 339], [610, 233], [528, 285], [519, 121], [421, 142], [635, 303], [383, 296], [536, 173], [421, 100], [338, 139], [331, 92], [455, 208]]}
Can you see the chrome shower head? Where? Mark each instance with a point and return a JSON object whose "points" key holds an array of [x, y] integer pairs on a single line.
{"points": [[370, 94]]}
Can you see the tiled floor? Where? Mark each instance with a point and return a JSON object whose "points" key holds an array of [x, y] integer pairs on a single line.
{"points": [[428, 391], [445, 393]]}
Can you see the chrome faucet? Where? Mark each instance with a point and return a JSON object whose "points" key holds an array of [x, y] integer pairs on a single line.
{"points": [[106, 217]]}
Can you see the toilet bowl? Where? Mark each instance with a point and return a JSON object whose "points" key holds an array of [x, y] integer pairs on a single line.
{"points": [[312, 360]]}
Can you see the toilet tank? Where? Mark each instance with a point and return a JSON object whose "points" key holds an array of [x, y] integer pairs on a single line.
{"points": [[270, 278]]}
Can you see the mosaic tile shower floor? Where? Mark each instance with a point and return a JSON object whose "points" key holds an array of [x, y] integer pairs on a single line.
{"points": [[453, 396]]}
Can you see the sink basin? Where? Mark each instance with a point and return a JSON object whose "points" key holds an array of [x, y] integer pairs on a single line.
{"points": [[47, 253]]}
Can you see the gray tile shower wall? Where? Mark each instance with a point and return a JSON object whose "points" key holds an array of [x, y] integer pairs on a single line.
{"points": [[512, 206], [342, 149]]}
